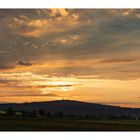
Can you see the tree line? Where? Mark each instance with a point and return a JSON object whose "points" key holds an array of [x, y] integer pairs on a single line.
{"points": [[43, 113], [35, 113]]}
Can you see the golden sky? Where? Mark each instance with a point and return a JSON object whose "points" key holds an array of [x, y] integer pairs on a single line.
{"points": [[77, 54]]}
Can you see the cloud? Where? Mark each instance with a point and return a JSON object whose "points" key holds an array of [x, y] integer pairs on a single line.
{"points": [[62, 12], [24, 63], [3, 67], [58, 40], [33, 86], [54, 21], [64, 51], [29, 95], [33, 82], [118, 60], [128, 12]]}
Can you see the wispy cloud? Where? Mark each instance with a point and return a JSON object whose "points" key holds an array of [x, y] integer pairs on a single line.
{"points": [[118, 60]]}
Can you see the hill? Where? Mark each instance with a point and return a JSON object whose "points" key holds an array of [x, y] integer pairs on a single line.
{"points": [[69, 107]]}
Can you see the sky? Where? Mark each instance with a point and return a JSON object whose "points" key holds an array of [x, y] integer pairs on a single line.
{"points": [[90, 55]]}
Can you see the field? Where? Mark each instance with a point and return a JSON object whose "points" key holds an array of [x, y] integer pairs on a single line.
{"points": [[67, 124]]}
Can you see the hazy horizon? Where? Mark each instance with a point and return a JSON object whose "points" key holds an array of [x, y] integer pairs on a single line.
{"points": [[89, 55]]}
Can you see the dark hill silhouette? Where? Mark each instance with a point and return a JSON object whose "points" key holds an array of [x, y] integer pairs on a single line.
{"points": [[69, 107]]}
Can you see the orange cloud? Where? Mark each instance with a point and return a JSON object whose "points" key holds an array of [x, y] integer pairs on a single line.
{"points": [[118, 60], [35, 33], [69, 40], [60, 11], [27, 66]]}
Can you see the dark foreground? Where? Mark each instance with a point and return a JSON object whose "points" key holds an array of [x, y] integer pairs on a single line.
{"points": [[67, 124]]}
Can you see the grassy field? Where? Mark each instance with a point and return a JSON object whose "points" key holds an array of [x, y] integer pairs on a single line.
{"points": [[63, 124]]}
